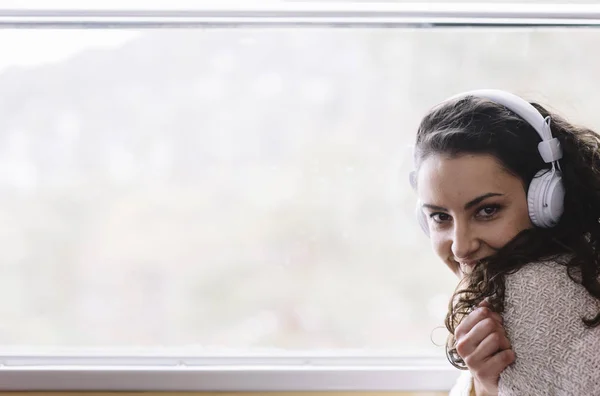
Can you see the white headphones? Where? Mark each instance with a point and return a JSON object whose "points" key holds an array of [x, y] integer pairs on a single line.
{"points": [[545, 197]]}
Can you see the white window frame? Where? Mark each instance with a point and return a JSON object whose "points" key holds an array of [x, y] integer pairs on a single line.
{"points": [[81, 370], [165, 13], [119, 372]]}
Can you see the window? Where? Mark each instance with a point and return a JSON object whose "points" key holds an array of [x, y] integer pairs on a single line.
{"points": [[172, 194]]}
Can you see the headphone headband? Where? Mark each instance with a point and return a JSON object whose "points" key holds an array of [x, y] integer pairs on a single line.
{"points": [[549, 147]]}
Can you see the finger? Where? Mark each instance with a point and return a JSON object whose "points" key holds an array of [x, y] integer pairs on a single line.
{"points": [[496, 364], [466, 345], [497, 317], [470, 321], [484, 328], [492, 344], [486, 304]]}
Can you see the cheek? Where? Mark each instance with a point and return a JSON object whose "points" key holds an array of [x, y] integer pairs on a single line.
{"points": [[442, 246], [503, 232], [499, 237], [437, 244]]}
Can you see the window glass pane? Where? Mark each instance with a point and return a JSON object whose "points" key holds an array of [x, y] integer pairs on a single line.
{"points": [[240, 189]]}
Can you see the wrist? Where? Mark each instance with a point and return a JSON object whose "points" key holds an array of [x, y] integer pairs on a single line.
{"points": [[479, 390]]}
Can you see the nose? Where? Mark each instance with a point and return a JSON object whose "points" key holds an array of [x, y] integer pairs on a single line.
{"points": [[464, 243]]}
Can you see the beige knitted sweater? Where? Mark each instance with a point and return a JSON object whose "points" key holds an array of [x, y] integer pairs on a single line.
{"points": [[555, 353]]}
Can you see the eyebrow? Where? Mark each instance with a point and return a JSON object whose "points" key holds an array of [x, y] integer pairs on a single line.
{"points": [[468, 205]]}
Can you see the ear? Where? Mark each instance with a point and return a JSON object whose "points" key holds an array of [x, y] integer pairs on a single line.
{"points": [[412, 178]]}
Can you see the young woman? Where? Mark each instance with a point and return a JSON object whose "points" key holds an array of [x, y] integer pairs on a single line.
{"points": [[510, 196]]}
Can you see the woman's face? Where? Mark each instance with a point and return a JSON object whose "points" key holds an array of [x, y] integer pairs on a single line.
{"points": [[473, 207]]}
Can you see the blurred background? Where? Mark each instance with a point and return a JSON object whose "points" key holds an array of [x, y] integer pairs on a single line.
{"points": [[241, 190]]}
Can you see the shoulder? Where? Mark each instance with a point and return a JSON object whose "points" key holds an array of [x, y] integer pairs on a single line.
{"points": [[546, 269], [532, 277], [546, 285], [543, 311], [544, 307]]}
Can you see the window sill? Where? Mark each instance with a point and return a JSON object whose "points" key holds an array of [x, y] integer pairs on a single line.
{"points": [[274, 375]]}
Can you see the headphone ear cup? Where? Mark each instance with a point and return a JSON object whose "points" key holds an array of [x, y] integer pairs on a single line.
{"points": [[422, 219], [545, 213]]}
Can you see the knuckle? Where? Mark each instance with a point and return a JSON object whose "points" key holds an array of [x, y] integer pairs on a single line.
{"points": [[496, 338], [460, 329], [461, 348], [470, 362], [498, 317], [508, 357], [488, 324], [481, 313], [459, 332]]}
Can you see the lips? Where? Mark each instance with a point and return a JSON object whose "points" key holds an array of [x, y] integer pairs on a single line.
{"points": [[466, 266]]}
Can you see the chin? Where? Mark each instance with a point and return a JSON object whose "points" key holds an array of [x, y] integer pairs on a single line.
{"points": [[465, 269]]}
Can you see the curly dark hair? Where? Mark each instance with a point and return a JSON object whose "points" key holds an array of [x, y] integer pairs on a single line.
{"points": [[479, 126]]}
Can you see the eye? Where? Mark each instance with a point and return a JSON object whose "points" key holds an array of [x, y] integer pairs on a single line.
{"points": [[440, 217], [488, 211]]}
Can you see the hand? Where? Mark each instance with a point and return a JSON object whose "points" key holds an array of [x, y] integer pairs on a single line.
{"points": [[481, 342]]}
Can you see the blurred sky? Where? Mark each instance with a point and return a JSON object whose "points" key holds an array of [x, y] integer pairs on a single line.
{"points": [[20, 47]]}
